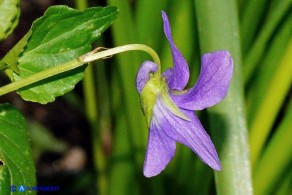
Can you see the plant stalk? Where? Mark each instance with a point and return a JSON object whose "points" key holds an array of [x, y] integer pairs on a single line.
{"points": [[84, 59]]}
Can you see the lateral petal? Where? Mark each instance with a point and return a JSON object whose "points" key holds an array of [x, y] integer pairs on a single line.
{"points": [[160, 150], [143, 74], [178, 76], [212, 85]]}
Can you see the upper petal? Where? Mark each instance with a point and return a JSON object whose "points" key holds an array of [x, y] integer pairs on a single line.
{"points": [[212, 85], [160, 150], [143, 74], [190, 133], [178, 76]]}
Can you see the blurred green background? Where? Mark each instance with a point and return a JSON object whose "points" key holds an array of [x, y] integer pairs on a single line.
{"points": [[93, 140]]}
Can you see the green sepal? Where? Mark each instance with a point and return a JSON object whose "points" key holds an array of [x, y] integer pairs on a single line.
{"points": [[155, 87], [149, 96], [171, 106]]}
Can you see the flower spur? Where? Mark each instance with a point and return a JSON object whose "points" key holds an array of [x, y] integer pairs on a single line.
{"points": [[169, 109]]}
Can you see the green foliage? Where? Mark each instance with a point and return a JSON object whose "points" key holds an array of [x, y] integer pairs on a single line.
{"points": [[277, 11], [260, 28], [16, 162], [218, 29], [271, 104], [9, 62], [124, 100], [276, 158], [59, 36], [9, 16]]}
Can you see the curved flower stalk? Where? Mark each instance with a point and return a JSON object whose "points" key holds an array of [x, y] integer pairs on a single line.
{"points": [[169, 109]]}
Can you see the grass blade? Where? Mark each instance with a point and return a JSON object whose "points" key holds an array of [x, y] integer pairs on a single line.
{"points": [[276, 159]]}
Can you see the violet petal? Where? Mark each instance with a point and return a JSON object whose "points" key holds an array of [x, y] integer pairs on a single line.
{"points": [[212, 85], [190, 133], [143, 74], [160, 150], [178, 76]]}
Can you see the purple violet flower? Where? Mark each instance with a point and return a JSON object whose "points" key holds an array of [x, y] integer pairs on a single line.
{"points": [[169, 109]]}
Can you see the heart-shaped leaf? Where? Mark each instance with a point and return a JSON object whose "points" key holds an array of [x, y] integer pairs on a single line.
{"points": [[61, 35], [16, 162]]}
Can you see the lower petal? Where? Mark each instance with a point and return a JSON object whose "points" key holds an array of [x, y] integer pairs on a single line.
{"points": [[190, 133], [160, 150]]}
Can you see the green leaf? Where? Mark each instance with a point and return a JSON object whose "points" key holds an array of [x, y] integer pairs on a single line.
{"points": [[61, 35], [276, 158], [9, 16], [251, 18], [269, 108], [16, 163], [257, 91], [9, 62], [278, 10]]}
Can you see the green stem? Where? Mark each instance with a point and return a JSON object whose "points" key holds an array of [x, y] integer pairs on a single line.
{"points": [[81, 4], [128, 142], [86, 58], [91, 109], [218, 30], [89, 57]]}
